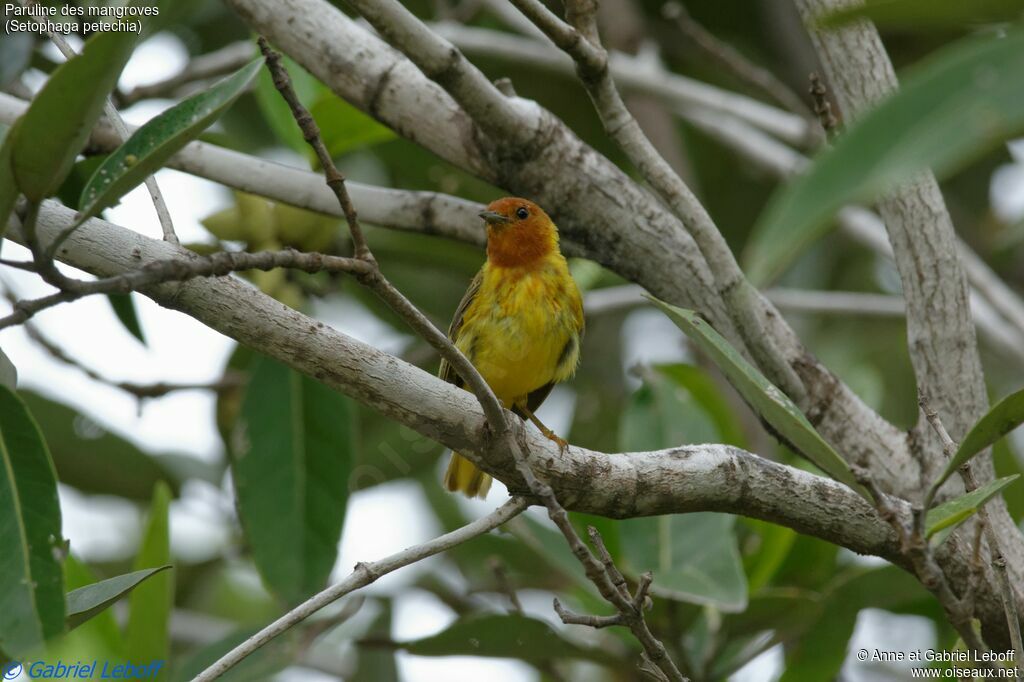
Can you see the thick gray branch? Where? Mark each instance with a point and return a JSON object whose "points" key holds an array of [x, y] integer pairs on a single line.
{"points": [[943, 347], [684, 479], [705, 477]]}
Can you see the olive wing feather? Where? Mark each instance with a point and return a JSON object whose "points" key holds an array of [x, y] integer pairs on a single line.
{"points": [[447, 372]]}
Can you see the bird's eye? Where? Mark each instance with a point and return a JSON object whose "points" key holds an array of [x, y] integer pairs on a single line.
{"points": [[522, 213]]}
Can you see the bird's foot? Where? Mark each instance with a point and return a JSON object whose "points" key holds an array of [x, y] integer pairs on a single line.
{"points": [[563, 445]]}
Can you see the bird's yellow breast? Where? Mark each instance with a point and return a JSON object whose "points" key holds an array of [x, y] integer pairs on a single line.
{"points": [[522, 330]]}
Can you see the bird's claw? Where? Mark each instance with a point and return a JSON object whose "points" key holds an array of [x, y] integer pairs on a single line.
{"points": [[563, 445]]}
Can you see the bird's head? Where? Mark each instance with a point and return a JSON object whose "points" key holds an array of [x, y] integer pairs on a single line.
{"points": [[519, 232]]}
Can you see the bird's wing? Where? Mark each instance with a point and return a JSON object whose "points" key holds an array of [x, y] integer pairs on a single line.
{"points": [[447, 372], [534, 398]]}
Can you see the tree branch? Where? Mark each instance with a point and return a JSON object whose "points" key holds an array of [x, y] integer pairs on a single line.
{"points": [[159, 205], [679, 480], [210, 65], [363, 575], [940, 334]]}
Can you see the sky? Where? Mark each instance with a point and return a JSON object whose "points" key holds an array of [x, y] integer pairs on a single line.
{"points": [[181, 349]]}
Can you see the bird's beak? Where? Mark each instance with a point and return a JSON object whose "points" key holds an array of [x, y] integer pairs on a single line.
{"points": [[490, 217]]}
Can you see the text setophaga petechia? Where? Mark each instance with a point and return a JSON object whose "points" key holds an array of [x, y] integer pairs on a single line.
{"points": [[520, 322]]}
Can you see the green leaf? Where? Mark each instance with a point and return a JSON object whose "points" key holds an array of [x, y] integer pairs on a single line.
{"points": [[504, 636], [99, 636], [820, 653], [343, 127], [88, 601], [262, 664], [93, 460], [920, 15], [693, 557], [8, 188], [150, 605], [58, 121], [949, 515], [8, 372], [291, 460], [773, 545], [702, 389], [276, 111], [958, 105], [31, 580], [377, 664], [767, 400], [124, 308], [1007, 415], [146, 150]]}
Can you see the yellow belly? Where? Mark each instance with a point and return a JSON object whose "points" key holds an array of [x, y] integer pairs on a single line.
{"points": [[523, 335]]}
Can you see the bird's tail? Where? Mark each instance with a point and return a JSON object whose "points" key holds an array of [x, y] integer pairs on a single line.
{"points": [[464, 477]]}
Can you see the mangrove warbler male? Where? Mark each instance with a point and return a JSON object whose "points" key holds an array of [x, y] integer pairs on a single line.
{"points": [[520, 322]]}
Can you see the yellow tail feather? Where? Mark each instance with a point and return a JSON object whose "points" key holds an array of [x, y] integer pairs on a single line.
{"points": [[464, 477]]}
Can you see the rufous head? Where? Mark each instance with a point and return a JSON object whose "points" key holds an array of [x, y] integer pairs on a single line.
{"points": [[519, 232]]}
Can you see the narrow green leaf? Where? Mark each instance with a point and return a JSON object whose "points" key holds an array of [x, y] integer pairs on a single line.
{"points": [[124, 308], [58, 121], [343, 127], [921, 15], [504, 636], [770, 403], [377, 664], [8, 372], [100, 635], [820, 653], [87, 601], [773, 546], [956, 106], [694, 557], [8, 188], [949, 515], [150, 605], [292, 455], [276, 111], [31, 579], [262, 664], [1007, 415], [146, 150]]}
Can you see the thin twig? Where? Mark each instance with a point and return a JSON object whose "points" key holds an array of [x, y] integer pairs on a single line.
{"points": [[996, 557], [206, 66], [505, 586], [140, 391], [159, 205], [311, 133], [745, 305], [915, 547], [501, 433], [363, 575], [732, 60], [181, 270], [372, 277]]}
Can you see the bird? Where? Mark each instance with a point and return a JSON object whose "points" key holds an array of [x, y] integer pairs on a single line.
{"points": [[520, 323]]}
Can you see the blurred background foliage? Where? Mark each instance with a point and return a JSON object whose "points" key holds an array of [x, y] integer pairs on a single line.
{"points": [[728, 589]]}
